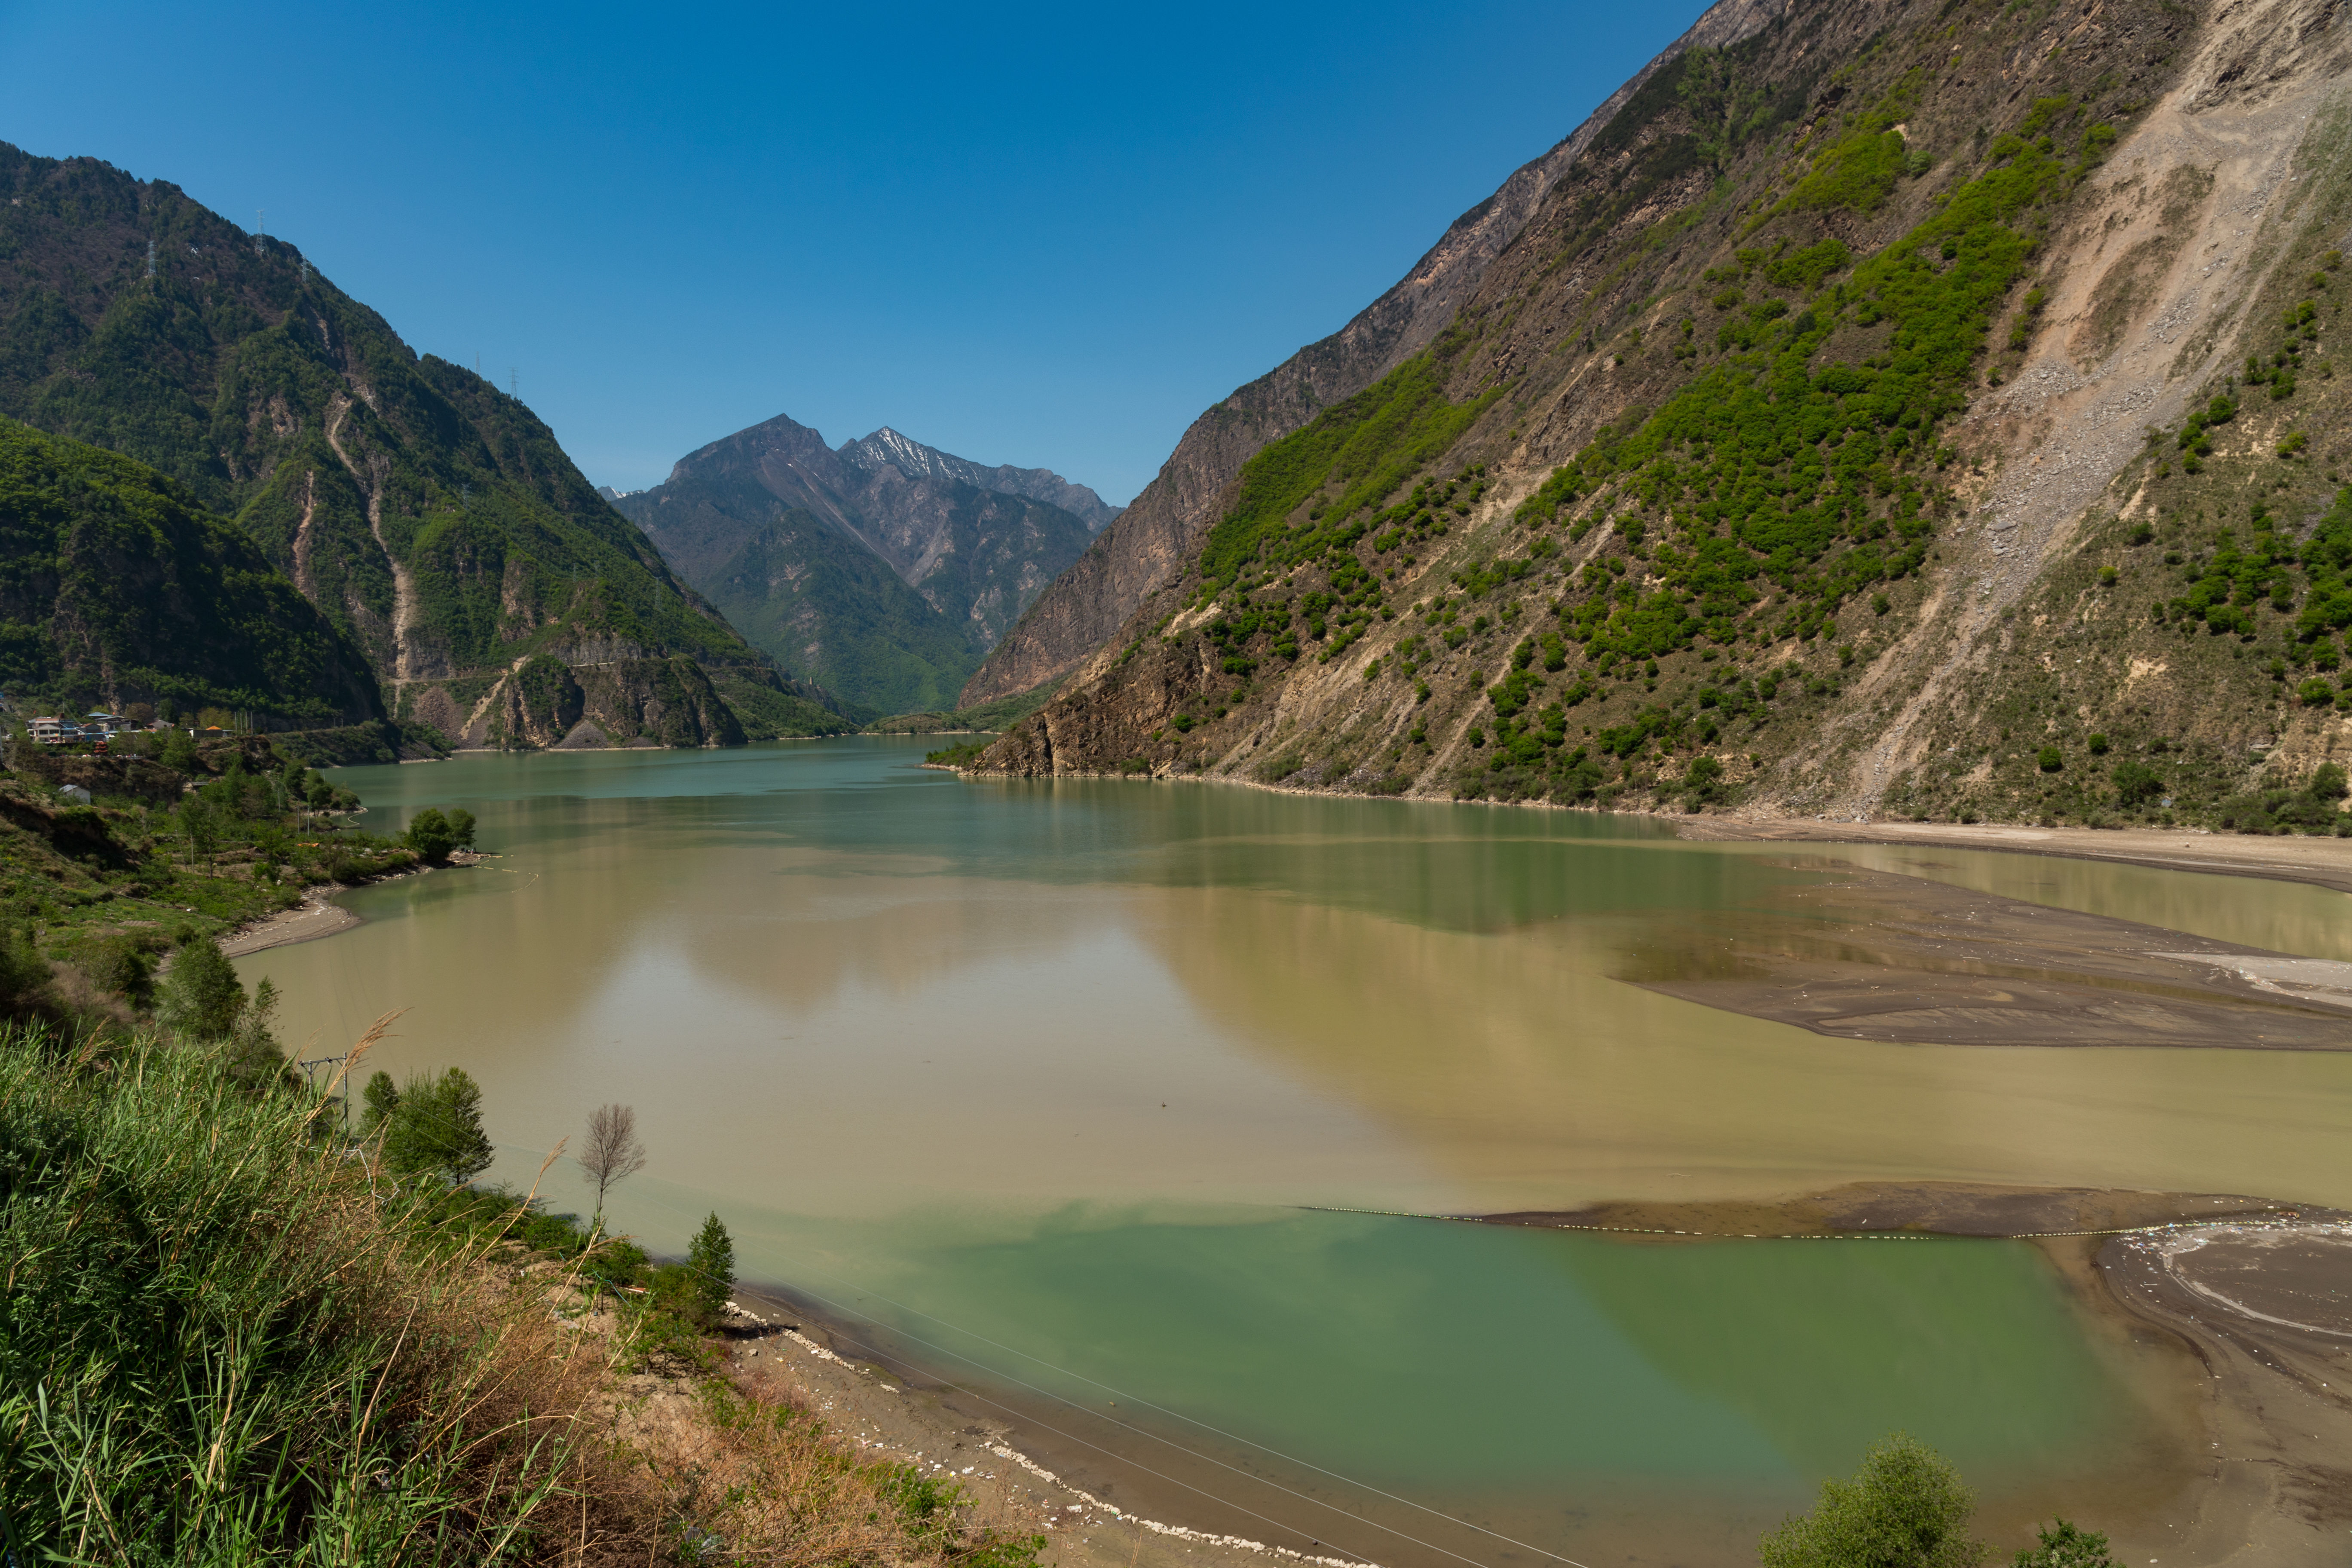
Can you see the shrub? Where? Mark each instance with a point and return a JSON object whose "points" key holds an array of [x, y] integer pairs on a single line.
{"points": [[2050, 760], [25, 976], [122, 964], [2063, 1546], [430, 835], [2136, 783], [1905, 1508], [201, 996], [2098, 745]]}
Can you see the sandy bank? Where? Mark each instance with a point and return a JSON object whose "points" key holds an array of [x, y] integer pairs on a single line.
{"points": [[2325, 861], [964, 1434], [314, 917]]}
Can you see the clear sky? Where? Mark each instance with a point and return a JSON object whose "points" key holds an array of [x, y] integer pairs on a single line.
{"points": [[1040, 235]]}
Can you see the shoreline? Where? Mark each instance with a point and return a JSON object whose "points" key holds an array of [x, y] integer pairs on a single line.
{"points": [[2230, 1306], [2230, 1458], [2325, 861], [947, 1430], [309, 921], [317, 915]]}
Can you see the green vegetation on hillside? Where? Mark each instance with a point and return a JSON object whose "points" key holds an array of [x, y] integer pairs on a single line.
{"points": [[1365, 450], [806, 590], [1001, 714], [270, 396], [165, 602], [149, 862], [1787, 477]]}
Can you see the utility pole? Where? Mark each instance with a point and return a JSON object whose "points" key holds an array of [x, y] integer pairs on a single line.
{"points": [[309, 1070]]}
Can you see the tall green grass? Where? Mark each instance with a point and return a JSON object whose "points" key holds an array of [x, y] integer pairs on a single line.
{"points": [[228, 1336], [213, 1349]]}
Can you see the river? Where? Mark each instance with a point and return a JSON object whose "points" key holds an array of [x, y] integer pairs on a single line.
{"points": [[1055, 1088]]}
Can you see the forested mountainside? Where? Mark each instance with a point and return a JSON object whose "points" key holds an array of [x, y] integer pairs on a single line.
{"points": [[885, 570], [116, 588], [1909, 408], [431, 519]]}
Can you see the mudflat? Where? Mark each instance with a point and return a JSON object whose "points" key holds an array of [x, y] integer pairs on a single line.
{"points": [[1880, 956]]}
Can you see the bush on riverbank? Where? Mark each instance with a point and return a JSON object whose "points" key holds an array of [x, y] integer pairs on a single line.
{"points": [[1908, 1507]]}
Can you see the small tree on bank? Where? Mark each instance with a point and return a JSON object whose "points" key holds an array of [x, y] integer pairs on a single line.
{"points": [[712, 1258], [201, 996], [611, 1154], [1905, 1508], [434, 1125]]}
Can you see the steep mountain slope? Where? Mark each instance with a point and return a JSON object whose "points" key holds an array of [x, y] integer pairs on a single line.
{"points": [[433, 520], [1912, 408], [1151, 543], [115, 588], [877, 568]]}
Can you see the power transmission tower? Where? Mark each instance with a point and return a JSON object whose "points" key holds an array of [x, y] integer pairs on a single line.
{"points": [[514, 382], [259, 230], [151, 261]]}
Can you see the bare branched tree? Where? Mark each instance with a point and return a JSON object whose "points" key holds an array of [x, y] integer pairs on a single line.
{"points": [[611, 1154]]}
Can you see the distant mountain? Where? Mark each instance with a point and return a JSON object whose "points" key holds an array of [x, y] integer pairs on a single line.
{"points": [[912, 458], [881, 568], [432, 520], [117, 588]]}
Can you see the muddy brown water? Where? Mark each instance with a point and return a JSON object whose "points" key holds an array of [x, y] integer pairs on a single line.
{"points": [[1052, 1090]]}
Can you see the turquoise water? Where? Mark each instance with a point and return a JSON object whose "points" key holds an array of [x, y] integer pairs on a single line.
{"points": [[1034, 1080]]}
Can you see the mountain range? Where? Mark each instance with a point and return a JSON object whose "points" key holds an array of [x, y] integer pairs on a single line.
{"points": [[883, 569], [433, 523], [1876, 407]]}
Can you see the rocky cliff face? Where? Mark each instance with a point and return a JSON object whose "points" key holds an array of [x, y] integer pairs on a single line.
{"points": [[880, 568], [887, 448], [433, 520], [1925, 410], [1153, 538]]}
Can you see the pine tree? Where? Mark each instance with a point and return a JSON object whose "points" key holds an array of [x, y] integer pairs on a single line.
{"points": [[201, 996], [436, 1127], [711, 1258], [381, 1098]]}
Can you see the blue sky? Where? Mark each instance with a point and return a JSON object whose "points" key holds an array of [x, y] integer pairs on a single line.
{"points": [[1049, 236]]}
